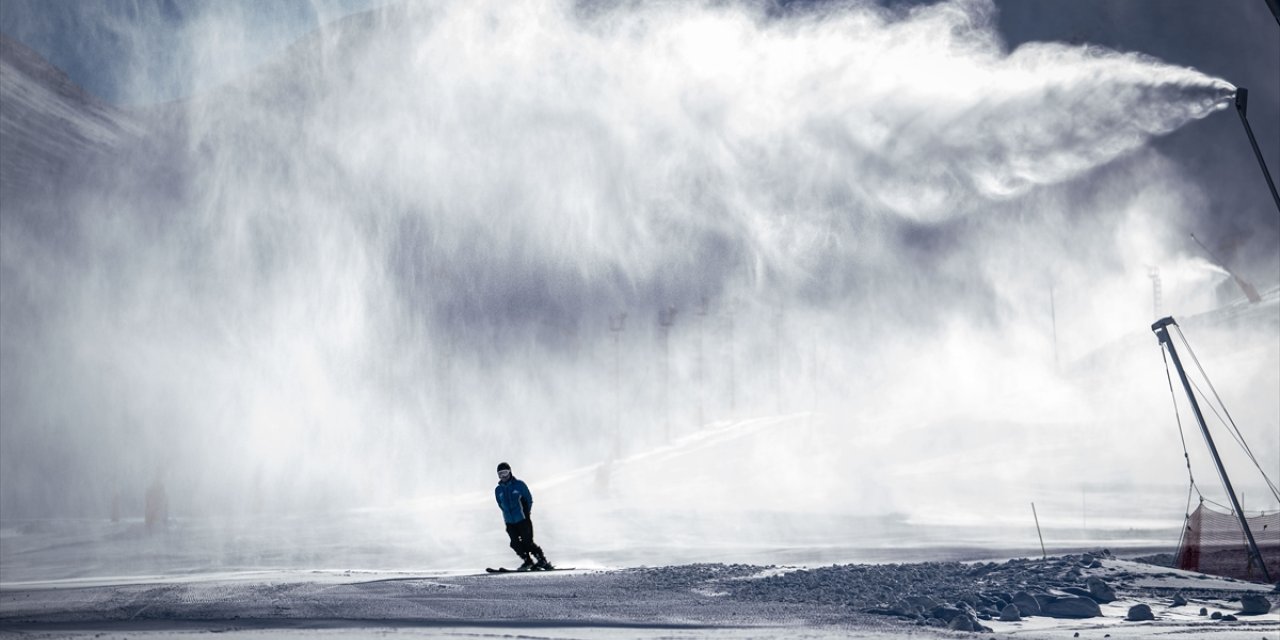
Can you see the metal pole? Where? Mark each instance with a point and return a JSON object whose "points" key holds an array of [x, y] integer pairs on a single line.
{"points": [[1242, 105], [666, 317], [1084, 508], [448, 377], [1053, 314], [702, 314], [616, 325], [813, 373], [1044, 555], [733, 377], [1249, 291], [1161, 329], [777, 356]]}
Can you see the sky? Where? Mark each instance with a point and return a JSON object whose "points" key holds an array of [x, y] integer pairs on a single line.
{"points": [[353, 258]]}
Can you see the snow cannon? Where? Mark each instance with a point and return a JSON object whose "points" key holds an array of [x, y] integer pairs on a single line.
{"points": [[1242, 107]]}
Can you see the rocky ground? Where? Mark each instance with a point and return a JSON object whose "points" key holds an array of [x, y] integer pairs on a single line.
{"points": [[966, 597]]}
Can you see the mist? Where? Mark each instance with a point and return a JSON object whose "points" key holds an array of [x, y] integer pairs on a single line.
{"points": [[871, 260]]}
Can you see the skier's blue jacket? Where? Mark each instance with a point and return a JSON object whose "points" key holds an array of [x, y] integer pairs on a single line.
{"points": [[514, 499]]}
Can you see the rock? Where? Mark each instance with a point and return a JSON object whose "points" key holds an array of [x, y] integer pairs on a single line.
{"points": [[1140, 612], [1010, 613], [991, 600], [1071, 607], [911, 606], [1026, 603], [1090, 561], [980, 569], [1229, 618], [922, 602], [1100, 590], [882, 610], [961, 623], [1254, 605], [1178, 600], [945, 613]]}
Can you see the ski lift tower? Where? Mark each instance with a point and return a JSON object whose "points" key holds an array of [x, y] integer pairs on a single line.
{"points": [[1153, 272]]}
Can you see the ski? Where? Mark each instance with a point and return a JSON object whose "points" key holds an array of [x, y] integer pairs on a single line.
{"points": [[506, 570]]}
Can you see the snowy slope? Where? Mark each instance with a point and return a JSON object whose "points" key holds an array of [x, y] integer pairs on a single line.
{"points": [[702, 600]]}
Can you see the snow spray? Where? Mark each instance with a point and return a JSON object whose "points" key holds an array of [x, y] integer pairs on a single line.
{"points": [[392, 250]]}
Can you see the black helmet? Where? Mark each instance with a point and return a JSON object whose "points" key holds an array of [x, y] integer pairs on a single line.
{"points": [[504, 466]]}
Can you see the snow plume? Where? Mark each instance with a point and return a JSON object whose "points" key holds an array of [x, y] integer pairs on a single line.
{"points": [[388, 258]]}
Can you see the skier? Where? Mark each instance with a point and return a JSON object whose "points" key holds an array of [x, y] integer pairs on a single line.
{"points": [[517, 506]]}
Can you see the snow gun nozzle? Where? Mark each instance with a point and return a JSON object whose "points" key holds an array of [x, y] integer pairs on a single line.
{"points": [[1161, 329], [1242, 100]]}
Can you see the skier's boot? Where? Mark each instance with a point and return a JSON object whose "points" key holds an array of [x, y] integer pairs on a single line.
{"points": [[528, 563], [542, 564]]}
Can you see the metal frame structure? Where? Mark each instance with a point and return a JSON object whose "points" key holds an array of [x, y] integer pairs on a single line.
{"points": [[1242, 108], [1161, 329]]}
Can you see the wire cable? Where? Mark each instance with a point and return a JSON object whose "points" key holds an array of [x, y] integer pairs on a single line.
{"points": [[1229, 421], [1239, 438], [1186, 455], [1182, 537], [1233, 429]]}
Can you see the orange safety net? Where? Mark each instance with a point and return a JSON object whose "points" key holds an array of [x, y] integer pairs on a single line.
{"points": [[1215, 543]]}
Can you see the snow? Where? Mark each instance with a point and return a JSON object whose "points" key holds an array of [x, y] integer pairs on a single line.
{"points": [[374, 572], [720, 569], [686, 601]]}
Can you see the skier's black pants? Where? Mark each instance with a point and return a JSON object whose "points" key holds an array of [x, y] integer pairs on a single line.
{"points": [[521, 534]]}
